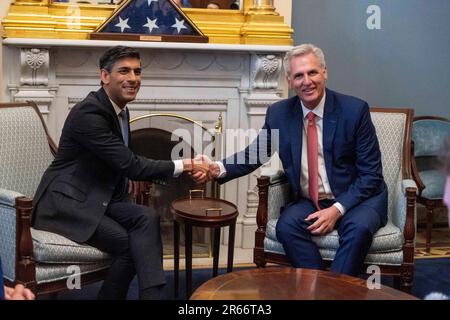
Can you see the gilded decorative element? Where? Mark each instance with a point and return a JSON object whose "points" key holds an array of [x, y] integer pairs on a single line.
{"points": [[257, 23]]}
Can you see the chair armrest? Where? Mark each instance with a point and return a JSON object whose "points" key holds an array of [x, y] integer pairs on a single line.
{"points": [[415, 171], [274, 175], [408, 183], [403, 214], [16, 247], [274, 193], [8, 197], [279, 195], [8, 232]]}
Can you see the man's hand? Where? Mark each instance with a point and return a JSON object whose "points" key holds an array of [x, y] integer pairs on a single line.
{"points": [[18, 293], [135, 188], [325, 220], [198, 169], [214, 169]]}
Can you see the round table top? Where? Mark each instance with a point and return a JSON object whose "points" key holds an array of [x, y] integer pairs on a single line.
{"points": [[204, 211], [284, 283]]}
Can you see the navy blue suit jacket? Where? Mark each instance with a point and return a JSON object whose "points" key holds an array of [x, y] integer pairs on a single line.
{"points": [[350, 145]]}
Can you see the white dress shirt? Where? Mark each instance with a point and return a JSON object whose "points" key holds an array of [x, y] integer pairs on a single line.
{"points": [[324, 184], [179, 167]]}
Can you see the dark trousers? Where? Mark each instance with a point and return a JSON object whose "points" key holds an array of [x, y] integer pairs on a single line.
{"points": [[355, 229], [131, 234]]}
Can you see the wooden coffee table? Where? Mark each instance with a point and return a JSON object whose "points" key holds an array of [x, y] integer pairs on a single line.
{"points": [[202, 212], [277, 283]]}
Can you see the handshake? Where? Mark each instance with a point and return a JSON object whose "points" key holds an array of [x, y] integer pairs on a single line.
{"points": [[201, 168]]}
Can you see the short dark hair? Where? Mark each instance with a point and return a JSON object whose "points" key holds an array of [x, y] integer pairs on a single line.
{"points": [[445, 156], [114, 54]]}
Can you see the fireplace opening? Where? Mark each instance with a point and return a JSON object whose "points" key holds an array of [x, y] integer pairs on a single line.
{"points": [[172, 137]]}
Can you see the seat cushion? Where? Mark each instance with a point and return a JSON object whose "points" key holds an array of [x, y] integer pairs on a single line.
{"points": [[55, 249], [434, 182], [387, 258], [53, 272], [386, 239]]}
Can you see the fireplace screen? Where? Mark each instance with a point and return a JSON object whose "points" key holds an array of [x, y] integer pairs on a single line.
{"points": [[172, 137]]}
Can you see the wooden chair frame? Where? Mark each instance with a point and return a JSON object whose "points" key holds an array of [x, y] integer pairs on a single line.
{"points": [[429, 204]]}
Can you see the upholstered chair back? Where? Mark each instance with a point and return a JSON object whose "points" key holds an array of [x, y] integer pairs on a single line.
{"points": [[24, 149], [390, 128], [428, 135]]}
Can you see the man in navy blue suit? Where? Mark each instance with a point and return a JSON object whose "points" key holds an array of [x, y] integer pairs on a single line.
{"points": [[330, 154]]}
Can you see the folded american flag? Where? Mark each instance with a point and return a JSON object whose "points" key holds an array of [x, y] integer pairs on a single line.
{"points": [[152, 17]]}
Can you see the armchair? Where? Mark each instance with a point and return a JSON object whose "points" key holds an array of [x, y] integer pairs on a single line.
{"points": [[393, 245], [428, 135], [37, 259]]}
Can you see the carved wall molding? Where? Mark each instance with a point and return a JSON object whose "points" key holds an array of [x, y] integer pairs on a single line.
{"points": [[34, 66], [266, 71], [68, 59], [167, 101]]}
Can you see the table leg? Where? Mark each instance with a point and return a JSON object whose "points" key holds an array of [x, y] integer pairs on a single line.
{"points": [[231, 246], [176, 255], [216, 247], [188, 253]]}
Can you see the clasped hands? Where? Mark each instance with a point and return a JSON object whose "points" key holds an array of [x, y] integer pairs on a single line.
{"points": [[201, 168]]}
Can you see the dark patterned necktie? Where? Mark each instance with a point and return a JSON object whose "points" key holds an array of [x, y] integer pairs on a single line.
{"points": [[123, 117]]}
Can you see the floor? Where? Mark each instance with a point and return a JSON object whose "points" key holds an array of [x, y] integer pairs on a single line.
{"points": [[440, 243]]}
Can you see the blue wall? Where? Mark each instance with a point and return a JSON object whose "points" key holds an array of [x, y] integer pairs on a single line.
{"points": [[406, 63]]}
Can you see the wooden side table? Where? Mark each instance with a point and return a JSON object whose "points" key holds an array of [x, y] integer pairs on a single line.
{"points": [[201, 212]]}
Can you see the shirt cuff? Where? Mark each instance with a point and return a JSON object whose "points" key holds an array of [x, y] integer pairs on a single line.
{"points": [[223, 172], [340, 208], [179, 168]]}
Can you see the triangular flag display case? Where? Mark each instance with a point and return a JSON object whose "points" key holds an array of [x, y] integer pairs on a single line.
{"points": [[256, 22], [149, 20]]}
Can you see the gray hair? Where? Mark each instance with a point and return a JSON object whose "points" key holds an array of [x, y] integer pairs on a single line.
{"points": [[302, 50]]}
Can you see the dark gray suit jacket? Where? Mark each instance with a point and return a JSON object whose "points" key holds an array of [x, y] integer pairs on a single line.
{"points": [[91, 162]]}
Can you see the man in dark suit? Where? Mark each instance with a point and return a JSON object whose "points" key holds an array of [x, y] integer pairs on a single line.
{"points": [[83, 194], [330, 154]]}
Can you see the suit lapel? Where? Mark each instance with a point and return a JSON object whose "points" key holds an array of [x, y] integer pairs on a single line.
{"points": [[296, 132], [106, 104], [330, 118]]}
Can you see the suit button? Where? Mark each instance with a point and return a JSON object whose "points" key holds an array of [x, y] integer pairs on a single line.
{"points": [[105, 204]]}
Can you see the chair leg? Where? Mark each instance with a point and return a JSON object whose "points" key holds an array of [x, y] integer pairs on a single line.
{"points": [[258, 257], [397, 282], [406, 278], [429, 229]]}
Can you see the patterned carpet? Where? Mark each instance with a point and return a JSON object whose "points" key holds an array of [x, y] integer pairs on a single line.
{"points": [[440, 244]]}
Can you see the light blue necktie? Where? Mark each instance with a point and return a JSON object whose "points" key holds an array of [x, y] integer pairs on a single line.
{"points": [[123, 118]]}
